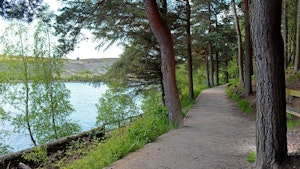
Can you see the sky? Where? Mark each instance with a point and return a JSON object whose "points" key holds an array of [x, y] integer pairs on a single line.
{"points": [[86, 49]]}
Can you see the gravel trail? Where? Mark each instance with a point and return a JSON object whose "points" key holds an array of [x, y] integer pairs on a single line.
{"points": [[215, 136]]}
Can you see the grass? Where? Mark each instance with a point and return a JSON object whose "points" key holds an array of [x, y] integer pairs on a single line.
{"points": [[234, 92], [292, 121], [292, 76], [187, 104], [244, 106], [251, 157], [121, 142]]}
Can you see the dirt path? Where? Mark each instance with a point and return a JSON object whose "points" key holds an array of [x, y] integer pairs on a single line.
{"points": [[215, 136]]}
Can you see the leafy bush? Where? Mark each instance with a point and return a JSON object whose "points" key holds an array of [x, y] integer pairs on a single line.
{"points": [[114, 108], [39, 155], [183, 86], [129, 138], [233, 68]]}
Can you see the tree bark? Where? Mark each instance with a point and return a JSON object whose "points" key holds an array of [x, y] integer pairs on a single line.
{"points": [[207, 71], [226, 71], [297, 57], [285, 33], [271, 141], [248, 47], [27, 118], [163, 36], [162, 89], [217, 69], [217, 54], [189, 50], [240, 45], [211, 65], [210, 56], [226, 62]]}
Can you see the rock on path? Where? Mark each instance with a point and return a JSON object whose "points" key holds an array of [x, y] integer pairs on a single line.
{"points": [[215, 136]]}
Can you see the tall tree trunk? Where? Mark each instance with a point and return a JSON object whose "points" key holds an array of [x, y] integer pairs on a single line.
{"points": [[224, 54], [240, 45], [217, 69], [163, 36], [226, 66], [162, 89], [248, 47], [52, 102], [297, 57], [211, 65], [285, 33], [271, 141], [164, 9], [27, 118], [207, 71], [217, 54], [189, 50], [210, 56]]}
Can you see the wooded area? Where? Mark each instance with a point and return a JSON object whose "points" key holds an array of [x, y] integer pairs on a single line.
{"points": [[211, 40]]}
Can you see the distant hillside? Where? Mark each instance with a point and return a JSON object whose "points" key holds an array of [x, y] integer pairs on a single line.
{"points": [[91, 66]]}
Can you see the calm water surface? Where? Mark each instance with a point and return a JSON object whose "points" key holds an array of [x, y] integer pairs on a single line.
{"points": [[83, 99]]}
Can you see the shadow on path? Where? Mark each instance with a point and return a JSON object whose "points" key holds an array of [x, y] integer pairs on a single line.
{"points": [[215, 136]]}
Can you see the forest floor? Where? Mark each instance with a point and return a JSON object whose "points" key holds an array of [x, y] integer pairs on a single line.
{"points": [[216, 135]]}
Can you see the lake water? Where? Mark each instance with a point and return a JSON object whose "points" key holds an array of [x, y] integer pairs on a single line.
{"points": [[83, 99]]}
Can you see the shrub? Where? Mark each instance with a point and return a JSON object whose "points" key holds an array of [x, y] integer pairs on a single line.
{"points": [[39, 155], [121, 141]]}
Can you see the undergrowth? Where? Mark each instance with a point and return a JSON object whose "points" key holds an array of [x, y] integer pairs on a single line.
{"points": [[292, 121], [123, 141], [235, 92], [153, 123], [251, 157]]}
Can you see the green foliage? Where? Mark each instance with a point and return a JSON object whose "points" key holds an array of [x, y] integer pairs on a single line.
{"points": [[39, 155], [4, 149], [182, 83], [152, 124], [21, 10], [233, 68], [292, 121], [42, 105], [234, 91], [244, 106], [82, 78], [294, 77], [251, 157], [114, 108]]}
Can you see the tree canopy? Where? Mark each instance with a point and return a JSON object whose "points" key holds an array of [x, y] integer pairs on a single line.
{"points": [[25, 10], [156, 35]]}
